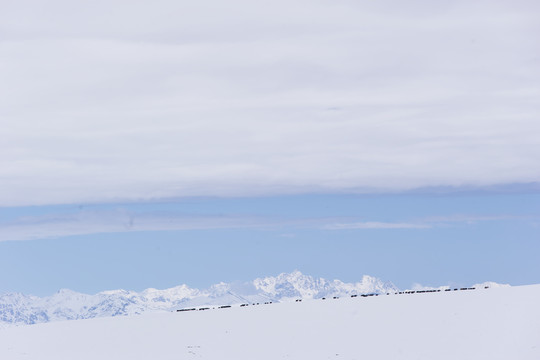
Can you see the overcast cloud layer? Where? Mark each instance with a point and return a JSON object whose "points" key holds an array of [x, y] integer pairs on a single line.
{"points": [[131, 100]]}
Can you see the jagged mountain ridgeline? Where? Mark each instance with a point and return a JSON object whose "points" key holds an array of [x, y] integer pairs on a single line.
{"points": [[70, 305]]}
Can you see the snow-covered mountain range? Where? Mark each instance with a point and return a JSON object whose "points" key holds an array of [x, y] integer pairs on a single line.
{"points": [[69, 305], [20, 309]]}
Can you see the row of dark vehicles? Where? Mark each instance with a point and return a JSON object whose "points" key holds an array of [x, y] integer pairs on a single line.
{"points": [[336, 297]]}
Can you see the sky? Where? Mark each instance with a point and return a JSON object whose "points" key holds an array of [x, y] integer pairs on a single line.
{"points": [[152, 144]]}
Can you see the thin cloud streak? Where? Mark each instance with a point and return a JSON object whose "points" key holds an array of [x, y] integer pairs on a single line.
{"points": [[122, 221], [429, 222], [93, 222], [83, 223], [376, 225]]}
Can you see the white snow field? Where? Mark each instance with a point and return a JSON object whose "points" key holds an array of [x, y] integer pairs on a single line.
{"points": [[495, 323]]}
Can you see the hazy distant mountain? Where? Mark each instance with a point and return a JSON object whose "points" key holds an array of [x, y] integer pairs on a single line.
{"points": [[68, 305]]}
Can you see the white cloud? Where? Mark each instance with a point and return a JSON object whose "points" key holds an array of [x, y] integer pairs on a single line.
{"points": [[57, 224], [376, 225], [429, 222], [114, 221], [139, 100]]}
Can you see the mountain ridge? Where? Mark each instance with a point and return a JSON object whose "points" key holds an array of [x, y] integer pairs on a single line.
{"points": [[65, 304]]}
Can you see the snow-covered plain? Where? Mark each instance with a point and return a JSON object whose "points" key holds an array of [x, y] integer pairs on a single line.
{"points": [[495, 323]]}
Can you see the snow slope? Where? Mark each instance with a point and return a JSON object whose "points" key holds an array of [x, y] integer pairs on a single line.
{"points": [[496, 323], [70, 305]]}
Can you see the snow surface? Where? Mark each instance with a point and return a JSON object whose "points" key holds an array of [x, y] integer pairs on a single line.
{"points": [[496, 323]]}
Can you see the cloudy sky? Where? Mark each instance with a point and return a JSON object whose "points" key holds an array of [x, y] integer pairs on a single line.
{"points": [[396, 129]]}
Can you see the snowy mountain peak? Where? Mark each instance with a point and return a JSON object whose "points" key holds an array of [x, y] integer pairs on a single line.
{"points": [[296, 284]]}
